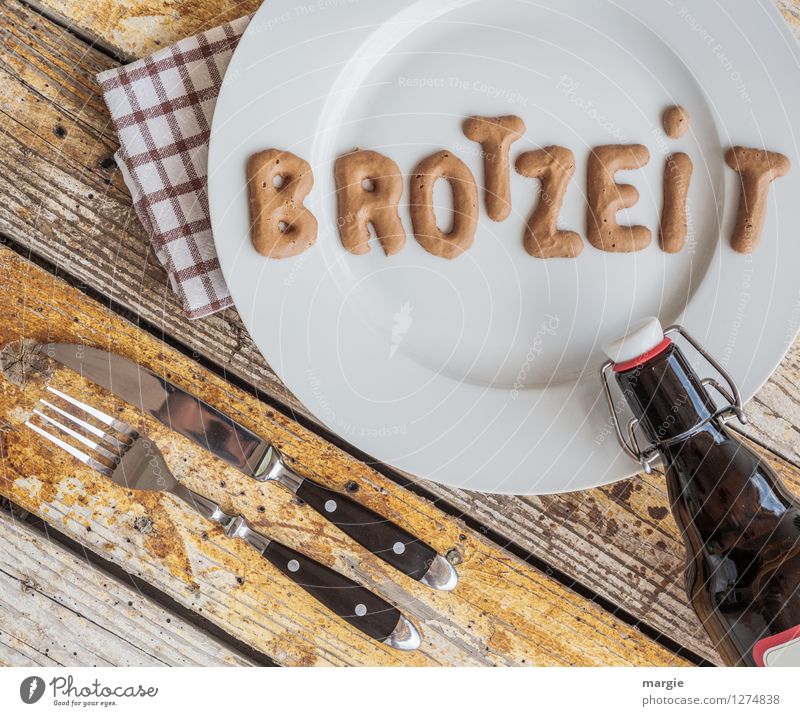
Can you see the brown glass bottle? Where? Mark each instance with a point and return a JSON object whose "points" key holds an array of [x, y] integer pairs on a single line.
{"points": [[740, 524]]}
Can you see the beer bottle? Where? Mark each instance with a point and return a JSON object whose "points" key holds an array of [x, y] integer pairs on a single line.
{"points": [[740, 524]]}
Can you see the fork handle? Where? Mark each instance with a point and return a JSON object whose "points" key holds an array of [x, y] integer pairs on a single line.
{"points": [[347, 599], [355, 604]]}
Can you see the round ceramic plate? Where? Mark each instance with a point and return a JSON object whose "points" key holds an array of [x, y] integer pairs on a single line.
{"points": [[482, 372]]}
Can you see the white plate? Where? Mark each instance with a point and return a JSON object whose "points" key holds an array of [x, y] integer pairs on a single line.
{"points": [[482, 372]]}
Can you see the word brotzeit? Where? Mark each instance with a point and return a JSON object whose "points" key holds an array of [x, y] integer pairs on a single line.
{"points": [[370, 186]]}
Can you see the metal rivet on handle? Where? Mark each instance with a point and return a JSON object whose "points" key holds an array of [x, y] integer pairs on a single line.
{"points": [[361, 610], [293, 565], [330, 506], [398, 548]]}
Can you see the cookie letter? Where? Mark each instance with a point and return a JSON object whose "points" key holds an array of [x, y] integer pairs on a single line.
{"points": [[606, 198], [676, 122], [277, 183], [496, 135], [677, 177], [757, 169], [554, 166], [369, 186], [443, 165]]}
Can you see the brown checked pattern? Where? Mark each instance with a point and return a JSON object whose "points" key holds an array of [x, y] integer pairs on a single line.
{"points": [[162, 107]]}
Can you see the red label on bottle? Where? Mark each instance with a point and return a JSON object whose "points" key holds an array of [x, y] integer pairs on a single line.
{"points": [[779, 650]]}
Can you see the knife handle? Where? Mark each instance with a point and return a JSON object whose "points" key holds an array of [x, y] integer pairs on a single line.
{"points": [[355, 604], [383, 538]]}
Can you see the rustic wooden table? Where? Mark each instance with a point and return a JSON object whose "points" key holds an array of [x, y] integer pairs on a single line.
{"points": [[93, 575]]}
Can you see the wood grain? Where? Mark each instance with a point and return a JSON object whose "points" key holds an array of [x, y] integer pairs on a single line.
{"points": [[503, 611], [791, 11], [63, 197], [133, 28], [618, 541], [55, 610]]}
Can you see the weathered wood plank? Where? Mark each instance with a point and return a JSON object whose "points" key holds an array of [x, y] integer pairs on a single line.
{"points": [[503, 612], [133, 28], [774, 413], [64, 193], [616, 541], [55, 609], [791, 11]]}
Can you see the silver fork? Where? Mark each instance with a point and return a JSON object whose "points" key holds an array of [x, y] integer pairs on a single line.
{"points": [[131, 460]]}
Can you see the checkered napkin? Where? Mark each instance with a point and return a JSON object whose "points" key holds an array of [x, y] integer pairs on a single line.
{"points": [[162, 107]]}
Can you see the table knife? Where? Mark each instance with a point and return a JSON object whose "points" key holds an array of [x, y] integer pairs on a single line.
{"points": [[135, 463], [255, 456]]}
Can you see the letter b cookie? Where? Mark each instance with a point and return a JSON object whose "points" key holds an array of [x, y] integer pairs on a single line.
{"points": [[278, 183]]}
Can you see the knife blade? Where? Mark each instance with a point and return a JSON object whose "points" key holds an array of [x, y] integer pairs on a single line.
{"points": [[255, 456]]}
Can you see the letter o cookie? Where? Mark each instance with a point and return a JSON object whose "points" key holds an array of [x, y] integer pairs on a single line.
{"points": [[443, 165]]}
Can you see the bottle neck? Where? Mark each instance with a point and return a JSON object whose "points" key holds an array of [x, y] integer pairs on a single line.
{"points": [[667, 397]]}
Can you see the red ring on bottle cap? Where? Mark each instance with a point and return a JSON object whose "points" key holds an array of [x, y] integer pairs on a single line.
{"points": [[642, 359]]}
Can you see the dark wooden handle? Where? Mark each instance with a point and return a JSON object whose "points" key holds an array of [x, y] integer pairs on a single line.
{"points": [[380, 536], [352, 602]]}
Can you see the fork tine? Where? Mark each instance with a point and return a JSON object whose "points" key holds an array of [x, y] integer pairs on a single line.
{"points": [[75, 434], [118, 425], [72, 450], [88, 427]]}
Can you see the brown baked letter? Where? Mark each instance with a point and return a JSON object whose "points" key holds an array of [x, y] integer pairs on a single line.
{"points": [[277, 183], [677, 177], [676, 122], [443, 165], [606, 197], [757, 169], [496, 135], [554, 167], [368, 187]]}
